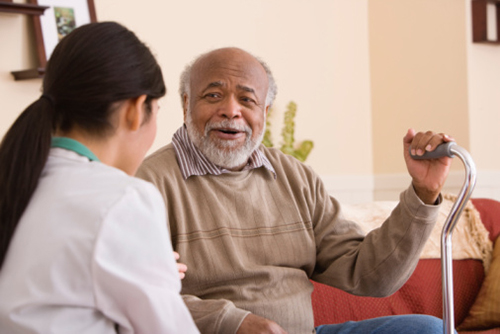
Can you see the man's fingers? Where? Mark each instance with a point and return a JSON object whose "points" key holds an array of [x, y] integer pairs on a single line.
{"points": [[427, 142]]}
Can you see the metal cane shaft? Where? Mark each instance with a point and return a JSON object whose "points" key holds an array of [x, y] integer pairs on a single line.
{"points": [[446, 242], [451, 150]]}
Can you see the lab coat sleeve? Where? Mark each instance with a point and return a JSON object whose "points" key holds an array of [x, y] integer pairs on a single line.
{"points": [[135, 276]]}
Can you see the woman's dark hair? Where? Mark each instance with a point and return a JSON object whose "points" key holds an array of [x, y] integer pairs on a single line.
{"points": [[90, 70]]}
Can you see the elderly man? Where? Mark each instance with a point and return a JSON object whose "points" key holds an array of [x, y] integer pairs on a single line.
{"points": [[254, 225]]}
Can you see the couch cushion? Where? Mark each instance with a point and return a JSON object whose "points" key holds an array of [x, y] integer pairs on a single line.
{"points": [[489, 210], [421, 294], [470, 236], [485, 313]]}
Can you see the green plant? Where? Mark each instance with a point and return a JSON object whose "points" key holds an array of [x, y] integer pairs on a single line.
{"points": [[300, 151]]}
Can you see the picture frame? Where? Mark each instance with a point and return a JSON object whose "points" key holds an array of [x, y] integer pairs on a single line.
{"points": [[59, 19]]}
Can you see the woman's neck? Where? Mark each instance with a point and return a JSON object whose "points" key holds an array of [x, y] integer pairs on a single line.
{"points": [[102, 148]]}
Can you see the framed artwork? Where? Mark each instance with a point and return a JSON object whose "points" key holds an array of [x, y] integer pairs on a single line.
{"points": [[59, 19]]}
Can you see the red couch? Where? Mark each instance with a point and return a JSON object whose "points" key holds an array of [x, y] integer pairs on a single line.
{"points": [[422, 292]]}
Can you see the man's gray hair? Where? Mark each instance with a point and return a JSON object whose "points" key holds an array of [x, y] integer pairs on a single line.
{"points": [[185, 88]]}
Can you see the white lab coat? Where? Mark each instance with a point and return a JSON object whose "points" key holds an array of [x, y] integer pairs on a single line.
{"points": [[91, 250]]}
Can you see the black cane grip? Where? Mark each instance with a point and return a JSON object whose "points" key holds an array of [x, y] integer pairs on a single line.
{"points": [[443, 150]]}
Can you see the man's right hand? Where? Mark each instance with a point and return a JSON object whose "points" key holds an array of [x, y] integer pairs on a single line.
{"points": [[253, 324]]}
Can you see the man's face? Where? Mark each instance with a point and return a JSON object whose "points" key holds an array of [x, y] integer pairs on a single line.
{"points": [[225, 112]]}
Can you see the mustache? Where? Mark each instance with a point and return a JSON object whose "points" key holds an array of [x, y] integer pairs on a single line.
{"points": [[228, 125]]}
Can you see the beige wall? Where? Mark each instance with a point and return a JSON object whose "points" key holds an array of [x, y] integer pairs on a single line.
{"points": [[484, 101], [418, 74], [317, 49], [427, 73], [361, 72], [483, 64]]}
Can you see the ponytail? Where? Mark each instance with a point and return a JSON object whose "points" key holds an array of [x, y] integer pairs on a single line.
{"points": [[23, 154], [91, 69]]}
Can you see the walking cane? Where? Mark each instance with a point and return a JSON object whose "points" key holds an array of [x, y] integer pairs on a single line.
{"points": [[451, 150]]}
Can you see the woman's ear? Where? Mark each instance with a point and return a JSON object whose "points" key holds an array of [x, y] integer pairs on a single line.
{"points": [[135, 112]]}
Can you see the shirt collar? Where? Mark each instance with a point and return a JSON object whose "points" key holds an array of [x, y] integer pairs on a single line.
{"points": [[73, 145], [193, 162]]}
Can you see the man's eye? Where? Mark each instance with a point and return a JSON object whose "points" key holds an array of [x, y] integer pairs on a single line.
{"points": [[212, 96], [247, 99]]}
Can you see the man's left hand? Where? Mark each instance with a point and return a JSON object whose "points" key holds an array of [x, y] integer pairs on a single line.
{"points": [[181, 267], [428, 176]]}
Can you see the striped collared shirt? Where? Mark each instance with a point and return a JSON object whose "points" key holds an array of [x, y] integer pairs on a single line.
{"points": [[193, 162]]}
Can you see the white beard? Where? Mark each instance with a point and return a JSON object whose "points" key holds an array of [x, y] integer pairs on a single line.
{"points": [[223, 153]]}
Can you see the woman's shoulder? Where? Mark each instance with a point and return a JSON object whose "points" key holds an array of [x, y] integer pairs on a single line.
{"points": [[122, 184], [93, 182]]}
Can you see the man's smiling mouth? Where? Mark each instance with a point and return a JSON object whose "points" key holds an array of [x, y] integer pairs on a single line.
{"points": [[229, 134], [229, 131]]}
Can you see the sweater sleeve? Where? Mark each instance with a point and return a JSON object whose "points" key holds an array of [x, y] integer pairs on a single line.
{"points": [[379, 263], [215, 315], [136, 280]]}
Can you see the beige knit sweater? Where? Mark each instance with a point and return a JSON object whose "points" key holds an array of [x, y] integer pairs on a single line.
{"points": [[252, 242]]}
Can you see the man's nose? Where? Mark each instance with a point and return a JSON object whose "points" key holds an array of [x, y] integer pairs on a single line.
{"points": [[231, 108]]}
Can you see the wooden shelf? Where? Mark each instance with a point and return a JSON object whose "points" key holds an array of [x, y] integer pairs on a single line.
{"points": [[489, 42], [21, 8], [34, 73], [7, 6], [479, 11]]}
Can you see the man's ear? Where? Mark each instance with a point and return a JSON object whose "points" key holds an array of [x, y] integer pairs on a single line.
{"points": [[134, 114], [185, 101], [267, 110]]}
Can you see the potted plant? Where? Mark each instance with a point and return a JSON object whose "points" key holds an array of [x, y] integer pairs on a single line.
{"points": [[300, 150]]}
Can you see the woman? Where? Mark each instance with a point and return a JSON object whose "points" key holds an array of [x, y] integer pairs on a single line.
{"points": [[84, 245]]}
